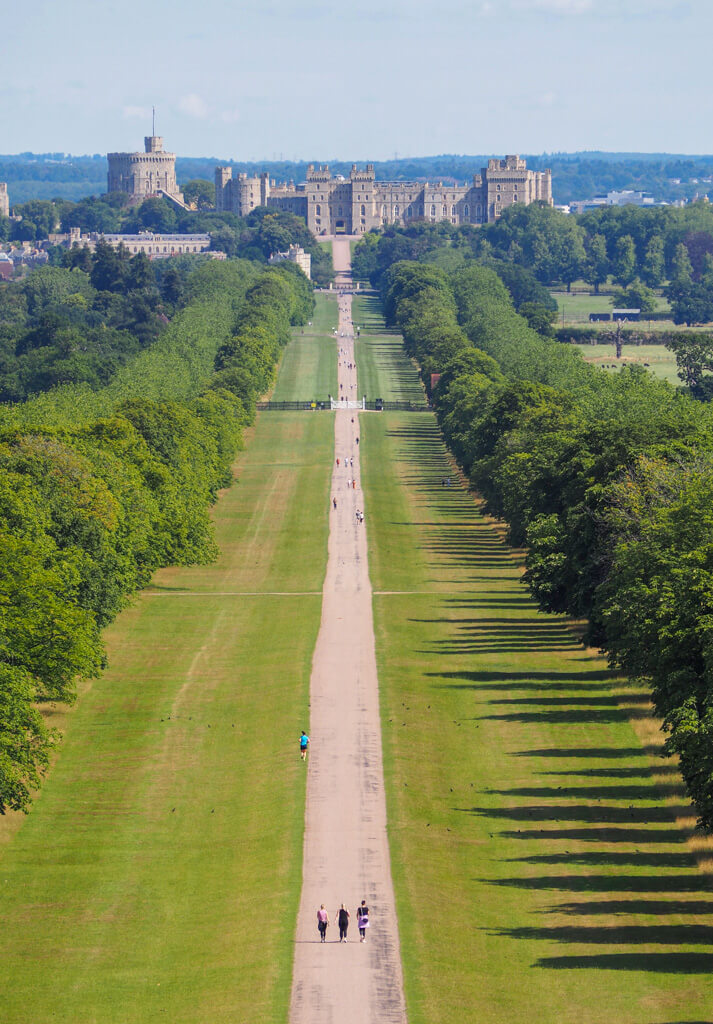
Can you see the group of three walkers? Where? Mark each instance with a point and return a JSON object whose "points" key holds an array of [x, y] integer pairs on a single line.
{"points": [[342, 919]]}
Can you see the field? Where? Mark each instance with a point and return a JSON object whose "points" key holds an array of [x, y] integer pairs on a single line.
{"points": [[541, 866], [309, 368], [575, 307], [656, 358], [167, 839], [382, 369]]}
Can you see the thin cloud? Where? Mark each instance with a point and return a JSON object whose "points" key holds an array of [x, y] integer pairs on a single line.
{"points": [[564, 7], [193, 106], [136, 113]]}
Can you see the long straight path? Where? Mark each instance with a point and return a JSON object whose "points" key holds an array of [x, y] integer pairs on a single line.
{"points": [[346, 854]]}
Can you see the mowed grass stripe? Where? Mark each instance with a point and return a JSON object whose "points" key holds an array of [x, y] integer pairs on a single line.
{"points": [[309, 364], [382, 368], [158, 874], [538, 868]]}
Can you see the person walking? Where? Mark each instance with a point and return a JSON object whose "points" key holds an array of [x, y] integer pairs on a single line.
{"points": [[334, 502], [362, 920], [304, 743], [322, 923], [342, 919]]}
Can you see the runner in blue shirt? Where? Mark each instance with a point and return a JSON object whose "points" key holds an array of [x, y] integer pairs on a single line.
{"points": [[304, 743]]}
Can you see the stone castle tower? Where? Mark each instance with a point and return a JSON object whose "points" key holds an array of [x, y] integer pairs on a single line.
{"points": [[141, 175], [4, 200]]}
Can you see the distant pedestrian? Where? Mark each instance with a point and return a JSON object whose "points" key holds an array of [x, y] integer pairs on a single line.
{"points": [[322, 923], [334, 502], [342, 919], [353, 485], [304, 743], [357, 440], [362, 920], [337, 461], [358, 516]]}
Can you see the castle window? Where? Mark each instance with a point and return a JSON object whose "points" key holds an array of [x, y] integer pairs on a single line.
{"points": [[396, 210], [478, 210], [363, 210], [433, 209], [453, 210], [340, 212], [514, 199], [466, 210]]}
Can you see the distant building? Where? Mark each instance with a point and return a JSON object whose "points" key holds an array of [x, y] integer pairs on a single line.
{"points": [[4, 200], [154, 245], [295, 254], [6, 267], [338, 205], [629, 197], [147, 174]]}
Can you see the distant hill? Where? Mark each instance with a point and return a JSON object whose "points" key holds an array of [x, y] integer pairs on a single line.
{"points": [[574, 175]]}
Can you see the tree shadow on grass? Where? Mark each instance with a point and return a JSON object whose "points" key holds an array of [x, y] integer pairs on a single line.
{"points": [[662, 908], [612, 834], [595, 813], [644, 791], [600, 753], [574, 680], [607, 858], [619, 773], [624, 934], [664, 963], [657, 883]]}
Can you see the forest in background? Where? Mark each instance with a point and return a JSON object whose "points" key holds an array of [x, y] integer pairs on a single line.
{"points": [[574, 175]]}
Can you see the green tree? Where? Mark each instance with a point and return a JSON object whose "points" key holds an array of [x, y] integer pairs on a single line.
{"points": [[539, 318], [625, 261], [636, 296], [653, 270], [597, 267], [681, 266], [199, 193]]}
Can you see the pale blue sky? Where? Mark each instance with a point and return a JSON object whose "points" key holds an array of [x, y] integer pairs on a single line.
{"points": [[358, 78]]}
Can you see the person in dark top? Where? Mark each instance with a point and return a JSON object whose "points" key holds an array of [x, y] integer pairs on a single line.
{"points": [[363, 920], [342, 919]]}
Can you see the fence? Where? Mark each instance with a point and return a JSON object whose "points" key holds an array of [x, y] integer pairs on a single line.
{"points": [[378, 405]]}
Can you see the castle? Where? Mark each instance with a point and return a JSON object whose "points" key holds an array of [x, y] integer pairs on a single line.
{"points": [[142, 175], [354, 205]]}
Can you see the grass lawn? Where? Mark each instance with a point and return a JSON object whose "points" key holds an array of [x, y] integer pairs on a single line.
{"points": [[578, 305], [158, 874], [657, 358], [309, 364], [382, 369], [540, 872]]}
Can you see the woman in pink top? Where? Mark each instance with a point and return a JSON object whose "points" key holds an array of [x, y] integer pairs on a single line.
{"points": [[322, 923]]}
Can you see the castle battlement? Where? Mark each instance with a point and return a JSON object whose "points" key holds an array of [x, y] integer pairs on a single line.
{"points": [[359, 203]]}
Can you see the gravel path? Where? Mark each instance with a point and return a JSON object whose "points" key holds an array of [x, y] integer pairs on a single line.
{"points": [[346, 853]]}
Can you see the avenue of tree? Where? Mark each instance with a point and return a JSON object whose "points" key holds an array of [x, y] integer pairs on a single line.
{"points": [[608, 481], [101, 485]]}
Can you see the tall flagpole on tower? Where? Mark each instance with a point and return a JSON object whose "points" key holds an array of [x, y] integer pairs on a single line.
{"points": [[153, 121]]}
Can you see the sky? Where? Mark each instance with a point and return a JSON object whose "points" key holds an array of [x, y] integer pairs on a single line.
{"points": [[356, 79]]}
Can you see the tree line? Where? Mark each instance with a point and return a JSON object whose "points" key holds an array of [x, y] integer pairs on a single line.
{"points": [[639, 249], [606, 479], [100, 486]]}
